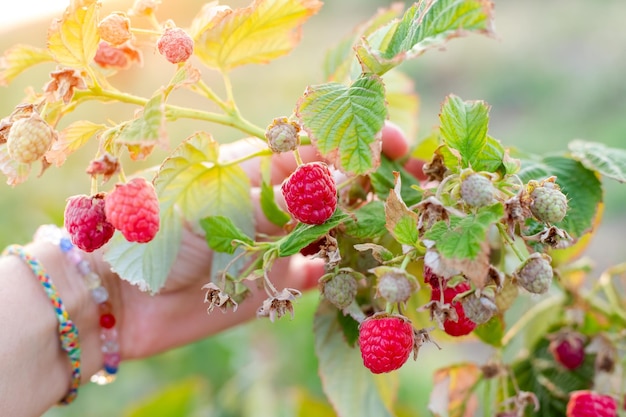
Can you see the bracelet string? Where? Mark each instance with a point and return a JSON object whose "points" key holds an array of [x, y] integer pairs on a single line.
{"points": [[108, 334], [68, 333]]}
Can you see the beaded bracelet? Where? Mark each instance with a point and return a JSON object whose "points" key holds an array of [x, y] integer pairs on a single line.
{"points": [[108, 334], [68, 334]]}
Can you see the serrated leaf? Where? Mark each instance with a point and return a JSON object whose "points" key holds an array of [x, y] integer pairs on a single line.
{"points": [[339, 363], [305, 234], [18, 59], [344, 123], [73, 40], [491, 157], [222, 235], [143, 133], [464, 127], [267, 29], [581, 186], [271, 210], [193, 179], [368, 221], [383, 181], [147, 265], [609, 162], [70, 139], [462, 239], [399, 220], [427, 24]]}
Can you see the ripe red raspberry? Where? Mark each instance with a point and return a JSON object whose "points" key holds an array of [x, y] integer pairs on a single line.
{"points": [[433, 279], [29, 138], [463, 325], [175, 45], [385, 342], [310, 193], [133, 209], [568, 349], [86, 223], [591, 404]]}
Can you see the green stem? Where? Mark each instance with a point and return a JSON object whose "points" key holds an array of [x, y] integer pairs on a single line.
{"points": [[211, 95], [511, 243], [262, 152], [405, 261]]}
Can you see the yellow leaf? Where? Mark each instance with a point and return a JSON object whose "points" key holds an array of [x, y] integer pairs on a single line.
{"points": [[226, 38], [71, 139], [19, 58], [73, 40]]}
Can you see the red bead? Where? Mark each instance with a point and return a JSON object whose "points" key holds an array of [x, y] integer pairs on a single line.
{"points": [[107, 321]]}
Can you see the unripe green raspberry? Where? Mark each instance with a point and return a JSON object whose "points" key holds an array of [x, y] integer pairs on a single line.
{"points": [[282, 135], [548, 204], [394, 284], [479, 308], [339, 289], [535, 274], [477, 190], [29, 139], [507, 295]]}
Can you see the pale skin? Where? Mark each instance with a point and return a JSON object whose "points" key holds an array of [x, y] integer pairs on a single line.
{"points": [[35, 372]]}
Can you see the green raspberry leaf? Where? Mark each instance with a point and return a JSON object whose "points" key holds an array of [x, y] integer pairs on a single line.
{"points": [[367, 395], [73, 40], [609, 162], [491, 332], [463, 238], [147, 265], [581, 186], [305, 234], [368, 221], [464, 127], [18, 59], [425, 25], [222, 235], [344, 122]]}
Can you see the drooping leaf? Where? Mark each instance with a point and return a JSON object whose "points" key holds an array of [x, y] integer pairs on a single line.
{"points": [[339, 363], [368, 221], [70, 139], [581, 186], [305, 234], [383, 181], [193, 178], [425, 25], [222, 235], [143, 133], [609, 162], [464, 127], [147, 265], [344, 122], [18, 59], [452, 395], [73, 40], [267, 29]]}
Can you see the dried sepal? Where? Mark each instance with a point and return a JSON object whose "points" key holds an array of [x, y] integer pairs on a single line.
{"points": [[279, 305]]}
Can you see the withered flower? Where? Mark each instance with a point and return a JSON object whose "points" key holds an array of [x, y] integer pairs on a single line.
{"points": [[63, 83], [280, 304], [218, 298]]}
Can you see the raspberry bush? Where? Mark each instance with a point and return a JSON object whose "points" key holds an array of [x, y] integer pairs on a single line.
{"points": [[481, 225]]}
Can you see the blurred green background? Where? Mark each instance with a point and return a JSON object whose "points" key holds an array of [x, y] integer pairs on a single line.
{"points": [[555, 73]]}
